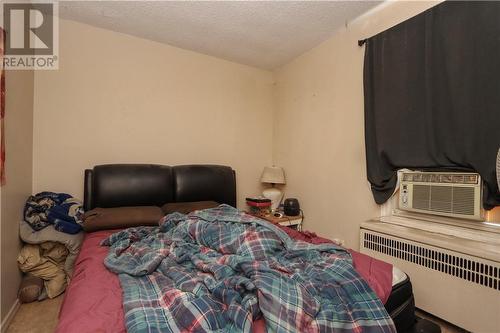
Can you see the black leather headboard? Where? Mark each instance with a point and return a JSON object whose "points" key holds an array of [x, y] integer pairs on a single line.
{"points": [[204, 182], [119, 185]]}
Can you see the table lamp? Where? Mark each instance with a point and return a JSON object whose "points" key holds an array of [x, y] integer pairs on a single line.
{"points": [[273, 175]]}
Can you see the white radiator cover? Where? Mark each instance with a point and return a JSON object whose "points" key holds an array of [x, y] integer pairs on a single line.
{"points": [[457, 287]]}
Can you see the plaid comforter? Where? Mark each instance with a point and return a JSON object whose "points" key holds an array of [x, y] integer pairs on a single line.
{"points": [[218, 270]]}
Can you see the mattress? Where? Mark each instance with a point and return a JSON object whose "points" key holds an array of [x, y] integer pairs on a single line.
{"points": [[93, 300], [398, 276], [401, 304]]}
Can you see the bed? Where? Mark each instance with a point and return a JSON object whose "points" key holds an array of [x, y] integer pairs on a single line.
{"points": [[93, 300]]}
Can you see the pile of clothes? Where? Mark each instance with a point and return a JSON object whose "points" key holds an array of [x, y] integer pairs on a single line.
{"points": [[59, 209], [51, 231], [45, 261]]}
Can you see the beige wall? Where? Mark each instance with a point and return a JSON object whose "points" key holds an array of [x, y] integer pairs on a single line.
{"points": [[19, 154], [118, 98], [319, 126]]}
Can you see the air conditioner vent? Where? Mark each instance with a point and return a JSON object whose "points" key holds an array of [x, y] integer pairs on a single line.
{"points": [[441, 198], [421, 197], [463, 200], [454, 265]]}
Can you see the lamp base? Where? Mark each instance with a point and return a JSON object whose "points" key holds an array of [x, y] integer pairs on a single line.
{"points": [[274, 195]]}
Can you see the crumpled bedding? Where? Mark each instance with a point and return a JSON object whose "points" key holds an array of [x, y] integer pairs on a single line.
{"points": [[50, 234], [376, 272], [45, 261], [93, 300], [220, 270], [58, 209]]}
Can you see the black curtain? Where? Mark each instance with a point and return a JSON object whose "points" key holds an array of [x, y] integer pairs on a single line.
{"points": [[432, 96]]}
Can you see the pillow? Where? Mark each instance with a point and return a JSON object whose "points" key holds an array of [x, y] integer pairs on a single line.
{"points": [[187, 207], [121, 217]]}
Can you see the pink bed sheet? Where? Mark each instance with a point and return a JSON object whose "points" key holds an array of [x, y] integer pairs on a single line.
{"points": [[93, 300]]}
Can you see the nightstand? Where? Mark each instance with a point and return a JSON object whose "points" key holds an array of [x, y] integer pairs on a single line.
{"points": [[294, 222]]}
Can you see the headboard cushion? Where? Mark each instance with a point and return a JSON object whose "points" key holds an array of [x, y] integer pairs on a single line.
{"points": [[204, 182], [118, 185], [121, 185]]}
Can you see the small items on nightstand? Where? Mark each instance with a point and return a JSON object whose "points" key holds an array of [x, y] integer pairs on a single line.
{"points": [[261, 207], [294, 222], [291, 207]]}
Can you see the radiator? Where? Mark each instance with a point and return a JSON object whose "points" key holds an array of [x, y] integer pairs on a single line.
{"points": [[457, 287]]}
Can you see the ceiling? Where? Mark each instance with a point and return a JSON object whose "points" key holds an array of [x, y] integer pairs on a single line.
{"points": [[263, 34]]}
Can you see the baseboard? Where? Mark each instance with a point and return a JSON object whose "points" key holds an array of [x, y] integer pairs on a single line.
{"points": [[10, 315]]}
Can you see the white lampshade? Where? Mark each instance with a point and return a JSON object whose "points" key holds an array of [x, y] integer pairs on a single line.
{"points": [[273, 175]]}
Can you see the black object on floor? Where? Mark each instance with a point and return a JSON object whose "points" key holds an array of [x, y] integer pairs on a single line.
{"points": [[401, 305], [424, 326]]}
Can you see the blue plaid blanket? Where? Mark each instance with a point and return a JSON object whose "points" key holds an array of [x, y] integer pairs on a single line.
{"points": [[218, 270]]}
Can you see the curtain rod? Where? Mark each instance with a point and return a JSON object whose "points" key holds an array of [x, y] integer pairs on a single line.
{"points": [[362, 42]]}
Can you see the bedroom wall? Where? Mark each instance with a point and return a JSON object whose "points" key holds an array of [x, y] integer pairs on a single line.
{"points": [[319, 126], [19, 162], [118, 98]]}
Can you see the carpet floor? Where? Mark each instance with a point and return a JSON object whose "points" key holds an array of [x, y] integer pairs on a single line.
{"points": [[36, 317]]}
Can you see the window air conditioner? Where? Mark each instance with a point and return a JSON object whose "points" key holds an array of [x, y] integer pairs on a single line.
{"points": [[442, 193]]}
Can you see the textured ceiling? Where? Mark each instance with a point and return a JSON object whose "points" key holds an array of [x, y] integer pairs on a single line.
{"points": [[264, 34]]}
